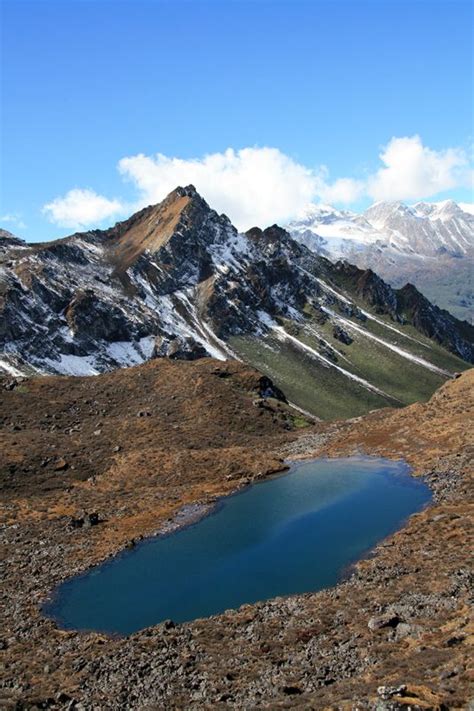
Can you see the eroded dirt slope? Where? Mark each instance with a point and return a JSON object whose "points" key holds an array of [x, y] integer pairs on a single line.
{"points": [[136, 442]]}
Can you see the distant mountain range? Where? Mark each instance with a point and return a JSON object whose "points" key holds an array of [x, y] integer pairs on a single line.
{"points": [[428, 244], [177, 280]]}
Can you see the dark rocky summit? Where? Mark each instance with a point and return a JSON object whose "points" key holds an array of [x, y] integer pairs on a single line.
{"points": [[434, 322]]}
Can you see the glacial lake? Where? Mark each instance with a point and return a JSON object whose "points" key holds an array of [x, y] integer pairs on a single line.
{"points": [[293, 533]]}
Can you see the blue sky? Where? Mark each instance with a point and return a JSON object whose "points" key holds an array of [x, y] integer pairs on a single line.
{"points": [[328, 86]]}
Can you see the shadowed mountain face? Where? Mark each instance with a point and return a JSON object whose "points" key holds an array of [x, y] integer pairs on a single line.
{"points": [[178, 280], [428, 244]]}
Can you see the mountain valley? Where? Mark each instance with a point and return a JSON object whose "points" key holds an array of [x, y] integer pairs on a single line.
{"points": [[236, 355], [149, 370]]}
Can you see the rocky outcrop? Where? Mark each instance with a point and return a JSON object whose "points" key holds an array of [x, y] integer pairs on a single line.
{"points": [[342, 335], [440, 325], [408, 305], [370, 287], [178, 348]]}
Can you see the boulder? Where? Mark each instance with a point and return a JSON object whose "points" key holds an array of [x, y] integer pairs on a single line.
{"points": [[387, 620]]}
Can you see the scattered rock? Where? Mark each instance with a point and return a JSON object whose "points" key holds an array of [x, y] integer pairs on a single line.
{"points": [[342, 335], [85, 521], [387, 620], [60, 465], [403, 630], [91, 519], [387, 692], [291, 690], [267, 388]]}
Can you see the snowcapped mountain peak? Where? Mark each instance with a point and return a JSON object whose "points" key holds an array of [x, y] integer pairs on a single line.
{"points": [[380, 212], [394, 238], [321, 212], [331, 232], [422, 229], [443, 210]]}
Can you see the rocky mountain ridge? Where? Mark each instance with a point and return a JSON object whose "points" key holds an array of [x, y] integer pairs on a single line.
{"points": [[424, 229], [178, 280]]}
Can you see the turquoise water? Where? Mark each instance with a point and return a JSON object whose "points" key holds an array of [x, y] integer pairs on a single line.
{"points": [[290, 534]]}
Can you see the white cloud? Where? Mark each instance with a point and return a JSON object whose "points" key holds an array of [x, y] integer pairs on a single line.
{"points": [[260, 186], [467, 207], [413, 171], [343, 190], [14, 218], [253, 186], [80, 208]]}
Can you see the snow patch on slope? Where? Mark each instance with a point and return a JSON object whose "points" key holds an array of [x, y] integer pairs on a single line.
{"points": [[390, 346], [73, 365], [280, 333]]}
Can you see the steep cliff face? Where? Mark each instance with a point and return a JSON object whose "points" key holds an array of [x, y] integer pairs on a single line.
{"points": [[178, 280]]}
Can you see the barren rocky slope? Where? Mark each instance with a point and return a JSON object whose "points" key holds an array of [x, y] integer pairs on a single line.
{"points": [[138, 445]]}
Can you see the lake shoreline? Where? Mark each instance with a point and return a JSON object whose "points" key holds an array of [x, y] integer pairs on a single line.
{"points": [[322, 491], [194, 512]]}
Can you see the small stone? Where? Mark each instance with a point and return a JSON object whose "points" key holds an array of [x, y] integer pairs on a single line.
{"points": [[455, 640], [342, 335], [91, 519], [60, 465], [62, 697], [291, 690], [75, 522], [405, 630]]}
